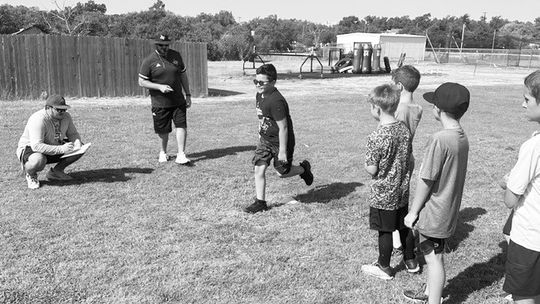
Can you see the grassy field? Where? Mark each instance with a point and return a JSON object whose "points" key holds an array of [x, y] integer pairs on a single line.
{"points": [[130, 230]]}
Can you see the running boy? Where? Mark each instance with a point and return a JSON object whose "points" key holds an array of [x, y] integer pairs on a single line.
{"points": [[387, 161], [409, 112], [441, 178], [523, 196], [276, 137]]}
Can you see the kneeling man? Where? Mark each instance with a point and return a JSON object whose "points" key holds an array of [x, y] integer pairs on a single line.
{"points": [[49, 134]]}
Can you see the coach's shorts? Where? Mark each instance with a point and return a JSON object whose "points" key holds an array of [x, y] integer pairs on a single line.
{"points": [[164, 116], [266, 151], [427, 244], [51, 159], [387, 220], [522, 271]]}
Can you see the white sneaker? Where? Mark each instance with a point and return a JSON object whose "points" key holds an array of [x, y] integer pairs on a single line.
{"points": [[182, 159], [162, 157], [32, 180], [377, 271]]}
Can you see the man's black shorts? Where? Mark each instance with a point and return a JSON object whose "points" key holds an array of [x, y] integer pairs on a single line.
{"points": [[164, 116], [266, 151]]}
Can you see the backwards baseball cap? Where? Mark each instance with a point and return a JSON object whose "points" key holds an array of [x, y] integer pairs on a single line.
{"points": [[163, 39], [450, 97], [57, 102]]}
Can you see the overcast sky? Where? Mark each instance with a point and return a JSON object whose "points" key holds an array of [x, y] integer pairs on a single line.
{"points": [[321, 11]]}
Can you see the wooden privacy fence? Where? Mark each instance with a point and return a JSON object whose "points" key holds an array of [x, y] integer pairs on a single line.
{"points": [[81, 66]]}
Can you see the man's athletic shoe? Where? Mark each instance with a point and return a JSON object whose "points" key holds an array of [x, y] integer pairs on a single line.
{"points": [[411, 265], [182, 159], [257, 206], [163, 157], [378, 271], [307, 176], [32, 180], [55, 175]]}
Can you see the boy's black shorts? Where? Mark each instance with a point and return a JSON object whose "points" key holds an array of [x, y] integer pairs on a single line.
{"points": [[164, 116], [427, 244], [522, 271], [266, 151], [387, 220], [508, 225], [51, 159]]}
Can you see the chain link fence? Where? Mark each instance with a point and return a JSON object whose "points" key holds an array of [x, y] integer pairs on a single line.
{"points": [[528, 58]]}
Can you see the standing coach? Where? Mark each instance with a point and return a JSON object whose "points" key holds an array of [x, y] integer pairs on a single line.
{"points": [[163, 73]]}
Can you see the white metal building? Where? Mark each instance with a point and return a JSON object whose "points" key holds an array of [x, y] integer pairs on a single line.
{"points": [[392, 45]]}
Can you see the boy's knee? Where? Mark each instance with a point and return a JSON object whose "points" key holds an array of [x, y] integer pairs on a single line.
{"points": [[260, 170]]}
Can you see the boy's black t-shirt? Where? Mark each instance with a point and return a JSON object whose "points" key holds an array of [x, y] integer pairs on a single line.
{"points": [[273, 107]]}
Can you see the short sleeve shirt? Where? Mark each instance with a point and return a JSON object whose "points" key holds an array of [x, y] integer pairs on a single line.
{"points": [[524, 180], [164, 70], [410, 114], [271, 108], [389, 148], [444, 163]]}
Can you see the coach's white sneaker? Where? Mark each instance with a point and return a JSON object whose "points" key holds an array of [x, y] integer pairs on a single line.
{"points": [[32, 180], [182, 159], [162, 157]]}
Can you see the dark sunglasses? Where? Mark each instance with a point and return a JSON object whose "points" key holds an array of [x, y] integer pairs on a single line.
{"points": [[60, 110], [162, 45], [259, 82]]}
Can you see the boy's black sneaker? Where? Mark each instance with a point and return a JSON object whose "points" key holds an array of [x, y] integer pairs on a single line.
{"points": [[257, 206], [307, 176], [417, 296], [411, 265]]}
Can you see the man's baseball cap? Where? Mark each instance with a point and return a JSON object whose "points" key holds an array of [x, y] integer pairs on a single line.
{"points": [[163, 39], [450, 97], [57, 102]]}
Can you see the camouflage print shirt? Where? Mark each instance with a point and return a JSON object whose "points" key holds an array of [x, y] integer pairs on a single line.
{"points": [[389, 148]]}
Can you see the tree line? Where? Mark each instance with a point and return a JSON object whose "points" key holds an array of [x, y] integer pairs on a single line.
{"points": [[228, 39]]}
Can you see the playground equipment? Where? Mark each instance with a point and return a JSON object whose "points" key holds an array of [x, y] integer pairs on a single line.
{"points": [[365, 59], [254, 56]]}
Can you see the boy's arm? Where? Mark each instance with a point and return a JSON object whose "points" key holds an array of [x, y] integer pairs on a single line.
{"points": [[283, 138], [511, 199], [422, 192]]}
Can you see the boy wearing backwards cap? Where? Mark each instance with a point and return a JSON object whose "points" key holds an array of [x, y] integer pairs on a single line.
{"points": [[435, 206]]}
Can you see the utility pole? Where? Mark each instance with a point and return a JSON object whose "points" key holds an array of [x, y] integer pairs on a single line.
{"points": [[462, 38], [493, 42]]}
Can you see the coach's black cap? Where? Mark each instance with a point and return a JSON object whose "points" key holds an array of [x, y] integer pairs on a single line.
{"points": [[163, 39]]}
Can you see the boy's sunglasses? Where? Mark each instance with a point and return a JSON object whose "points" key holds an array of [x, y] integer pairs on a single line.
{"points": [[60, 110], [259, 82]]}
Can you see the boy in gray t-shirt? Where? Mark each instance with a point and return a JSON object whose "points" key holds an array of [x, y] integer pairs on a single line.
{"points": [[434, 209]]}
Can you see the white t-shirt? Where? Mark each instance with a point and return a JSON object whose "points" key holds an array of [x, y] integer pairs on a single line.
{"points": [[524, 180]]}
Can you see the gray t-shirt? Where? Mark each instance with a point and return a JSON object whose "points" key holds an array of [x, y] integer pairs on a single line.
{"points": [[444, 163]]}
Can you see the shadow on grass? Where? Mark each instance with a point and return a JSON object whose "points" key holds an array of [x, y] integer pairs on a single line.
{"points": [[101, 175], [327, 193], [463, 229], [220, 93], [476, 277], [218, 153]]}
